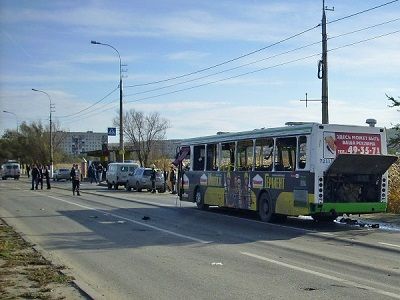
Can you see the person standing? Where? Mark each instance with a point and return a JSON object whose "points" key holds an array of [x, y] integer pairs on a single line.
{"points": [[75, 178], [35, 177], [41, 176], [100, 172], [172, 180], [47, 176], [28, 169], [153, 179], [92, 173]]}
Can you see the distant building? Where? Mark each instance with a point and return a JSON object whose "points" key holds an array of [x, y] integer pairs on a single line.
{"points": [[75, 143]]}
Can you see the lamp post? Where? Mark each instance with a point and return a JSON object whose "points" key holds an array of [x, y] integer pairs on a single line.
{"points": [[121, 130], [51, 135], [16, 118]]}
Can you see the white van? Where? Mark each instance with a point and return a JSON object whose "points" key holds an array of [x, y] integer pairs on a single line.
{"points": [[117, 174], [10, 169]]}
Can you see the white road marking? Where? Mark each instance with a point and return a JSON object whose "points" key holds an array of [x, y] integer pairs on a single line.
{"points": [[323, 275], [391, 245], [135, 222]]}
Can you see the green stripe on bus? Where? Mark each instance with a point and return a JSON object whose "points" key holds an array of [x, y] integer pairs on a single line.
{"points": [[354, 208]]}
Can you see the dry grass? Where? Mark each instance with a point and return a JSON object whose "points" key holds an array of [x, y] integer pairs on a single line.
{"points": [[394, 188], [24, 273]]}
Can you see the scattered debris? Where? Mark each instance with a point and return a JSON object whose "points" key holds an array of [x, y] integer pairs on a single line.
{"points": [[146, 218], [93, 217], [216, 264], [349, 221]]}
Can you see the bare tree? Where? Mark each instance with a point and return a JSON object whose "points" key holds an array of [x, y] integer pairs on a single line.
{"points": [[143, 131]]}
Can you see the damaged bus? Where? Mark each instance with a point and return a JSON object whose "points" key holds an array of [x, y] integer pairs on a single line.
{"points": [[319, 170]]}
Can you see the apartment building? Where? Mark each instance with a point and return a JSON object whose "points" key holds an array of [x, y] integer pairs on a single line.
{"points": [[75, 143]]}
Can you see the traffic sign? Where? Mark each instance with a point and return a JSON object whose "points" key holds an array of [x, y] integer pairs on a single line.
{"points": [[112, 131]]}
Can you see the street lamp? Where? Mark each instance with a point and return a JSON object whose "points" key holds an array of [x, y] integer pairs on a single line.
{"points": [[121, 130], [16, 118], [51, 136]]}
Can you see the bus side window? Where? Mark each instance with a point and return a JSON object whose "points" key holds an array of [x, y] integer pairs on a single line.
{"points": [[264, 154], [245, 155], [198, 159], [285, 158], [302, 152], [227, 157], [212, 157]]}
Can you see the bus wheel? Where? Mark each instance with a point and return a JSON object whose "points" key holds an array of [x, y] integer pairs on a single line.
{"points": [[198, 197], [265, 209]]}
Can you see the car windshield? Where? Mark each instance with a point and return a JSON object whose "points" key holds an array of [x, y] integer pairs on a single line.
{"points": [[147, 173]]}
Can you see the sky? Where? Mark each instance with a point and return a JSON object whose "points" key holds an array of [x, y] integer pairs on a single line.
{"points": [[46, 45]]}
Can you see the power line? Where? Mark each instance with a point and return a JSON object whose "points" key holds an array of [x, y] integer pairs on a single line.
{"points": [[262, 69], [259, 60], [260, 49], [227, 61], [248, 73], [363, 11], [66, 116]]}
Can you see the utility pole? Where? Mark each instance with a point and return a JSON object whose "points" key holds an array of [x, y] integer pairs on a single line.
{"points": [[323, 68]]}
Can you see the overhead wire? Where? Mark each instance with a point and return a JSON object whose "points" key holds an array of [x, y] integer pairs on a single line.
{"points": [[66, 116], [261, 69], [261, 49], [259, 60], [227, 61], [239, 57], [361, 12]]}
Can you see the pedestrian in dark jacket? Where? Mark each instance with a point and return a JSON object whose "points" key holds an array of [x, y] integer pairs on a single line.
{"points": [[75, 178], [35, 177], [47, 176], [153, 179], [172, 180], [40, 179]]}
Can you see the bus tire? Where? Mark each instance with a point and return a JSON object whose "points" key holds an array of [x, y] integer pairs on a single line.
{"points": [[265, 208], [199, 199]]}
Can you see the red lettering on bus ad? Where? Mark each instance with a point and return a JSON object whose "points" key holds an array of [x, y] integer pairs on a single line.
{"points": [[351, 143]]}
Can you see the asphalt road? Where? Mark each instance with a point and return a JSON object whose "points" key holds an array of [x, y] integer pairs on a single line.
{"points": [[129, 245]]}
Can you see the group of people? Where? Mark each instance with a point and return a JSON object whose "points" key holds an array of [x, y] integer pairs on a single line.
{"points": [[39, 173], [95, 173]]}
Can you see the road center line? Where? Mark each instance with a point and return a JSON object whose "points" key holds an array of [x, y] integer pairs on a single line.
{"points": [[135, 222], [391, 245], [323, 275]]}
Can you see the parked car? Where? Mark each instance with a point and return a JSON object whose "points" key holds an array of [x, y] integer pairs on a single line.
{"points": [[141, 180], [117, 174], [10, 169], [61, 174]]}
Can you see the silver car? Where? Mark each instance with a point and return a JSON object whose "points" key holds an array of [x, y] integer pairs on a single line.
{"points": [[61, 174], [140, 179]]}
